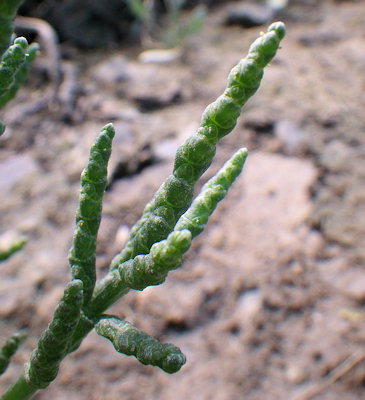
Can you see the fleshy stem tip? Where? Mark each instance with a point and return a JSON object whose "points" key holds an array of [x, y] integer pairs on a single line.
{"points": [[279, 28]]}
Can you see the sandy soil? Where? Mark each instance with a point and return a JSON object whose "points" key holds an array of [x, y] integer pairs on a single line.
{"points": [[270, 301]]}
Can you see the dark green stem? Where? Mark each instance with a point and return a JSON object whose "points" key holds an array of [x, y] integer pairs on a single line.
{"points": [[21, 390], [9, 349], [8, 9], [88, 213]]}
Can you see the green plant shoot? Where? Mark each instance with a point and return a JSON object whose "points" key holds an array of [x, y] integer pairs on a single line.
{"points": [[88, 214], [9, 349], [129, 340]]}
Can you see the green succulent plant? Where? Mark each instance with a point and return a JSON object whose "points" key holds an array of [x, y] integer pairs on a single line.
{"points": [[157, 242]]}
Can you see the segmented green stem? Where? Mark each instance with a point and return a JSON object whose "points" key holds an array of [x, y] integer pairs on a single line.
{"points": [[9, 349], [52, 346], [21, 75], [11, 62], [129, 340], [8, 9], [55, 340], [16, 59], [88, 214], [197, 215], [195, 155], [14, 68]]}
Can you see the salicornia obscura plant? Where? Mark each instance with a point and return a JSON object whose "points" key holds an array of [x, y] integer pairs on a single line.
{"points": [[157, 242]]}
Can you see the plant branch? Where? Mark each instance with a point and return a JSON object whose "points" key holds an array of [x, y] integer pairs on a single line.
{"points": [[129, 340]]}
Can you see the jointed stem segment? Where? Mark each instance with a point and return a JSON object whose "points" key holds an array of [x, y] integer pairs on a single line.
{"points": [[9, 349], [20, 74], [196, 217], [11, 62], [8, 10], [88, 214], [129, 340], [15, 60], [55, 341]]}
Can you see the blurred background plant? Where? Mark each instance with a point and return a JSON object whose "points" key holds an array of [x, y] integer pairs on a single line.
{"points": [[10, 244], [171, 27]]}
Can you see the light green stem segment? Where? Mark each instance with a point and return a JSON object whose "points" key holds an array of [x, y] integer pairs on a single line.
{"points": [[88, 214], [9, 349], [197, 215], [129, 340], [195, 155]]}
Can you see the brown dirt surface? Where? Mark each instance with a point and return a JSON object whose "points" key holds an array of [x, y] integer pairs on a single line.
{"points": [[269, 303]]}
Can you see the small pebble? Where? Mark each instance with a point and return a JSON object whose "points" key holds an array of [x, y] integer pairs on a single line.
{"points": [[248, 15], [160, 56]]}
